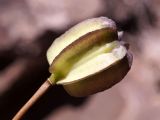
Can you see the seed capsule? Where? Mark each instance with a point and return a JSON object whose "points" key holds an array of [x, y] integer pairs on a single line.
{"points": [[88, 58]]}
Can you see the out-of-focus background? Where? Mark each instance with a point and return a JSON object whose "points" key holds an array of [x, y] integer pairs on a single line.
{"points": [[28, 27]]}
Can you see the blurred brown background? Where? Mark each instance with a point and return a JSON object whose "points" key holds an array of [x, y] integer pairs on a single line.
{"points": [[28, 27]]}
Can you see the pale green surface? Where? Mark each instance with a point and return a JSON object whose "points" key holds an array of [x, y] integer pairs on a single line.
{"points": [[96, 51]]}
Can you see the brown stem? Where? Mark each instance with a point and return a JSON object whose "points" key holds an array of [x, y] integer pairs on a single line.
{"points": [[44, 87]]}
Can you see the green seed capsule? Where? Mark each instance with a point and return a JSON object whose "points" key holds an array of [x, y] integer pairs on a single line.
{"points": [[88, 58]]}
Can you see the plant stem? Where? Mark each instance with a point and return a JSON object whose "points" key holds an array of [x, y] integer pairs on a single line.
{"points": [[44, 87]]}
